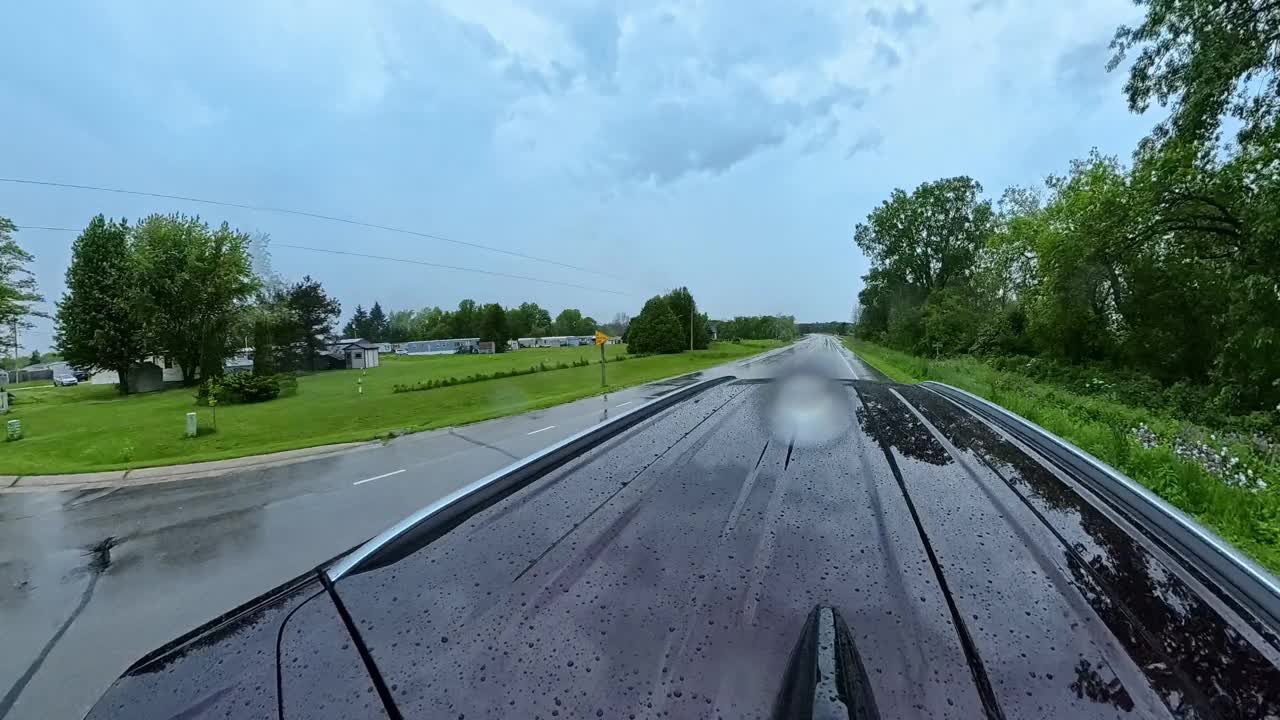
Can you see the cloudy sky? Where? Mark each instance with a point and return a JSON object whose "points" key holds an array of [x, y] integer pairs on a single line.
{"points": [[728, 146]]}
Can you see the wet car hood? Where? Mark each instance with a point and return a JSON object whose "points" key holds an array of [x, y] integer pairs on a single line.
{"points": [[841, 549], [909, 560]]}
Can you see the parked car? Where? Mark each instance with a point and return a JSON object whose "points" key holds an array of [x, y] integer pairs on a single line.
{"points": [[81, 374], [63, 378]]}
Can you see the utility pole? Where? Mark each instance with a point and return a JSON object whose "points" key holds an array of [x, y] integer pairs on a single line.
{"points": [[15, 347], [691, 322]]}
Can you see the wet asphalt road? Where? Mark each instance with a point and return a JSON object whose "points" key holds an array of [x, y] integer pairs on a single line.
{"points": [[171, 556]]}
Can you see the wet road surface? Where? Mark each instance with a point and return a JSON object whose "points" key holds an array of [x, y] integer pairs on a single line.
{"points": [[91, 580]]}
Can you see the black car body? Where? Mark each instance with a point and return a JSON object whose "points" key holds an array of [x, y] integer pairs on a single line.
{"points": [[879, 550]]}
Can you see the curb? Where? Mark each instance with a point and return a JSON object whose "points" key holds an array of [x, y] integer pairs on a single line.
{"points": [[172, 473]]}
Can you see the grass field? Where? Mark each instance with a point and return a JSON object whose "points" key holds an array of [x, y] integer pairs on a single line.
{"points": [[89, 427], [1229, 483]]}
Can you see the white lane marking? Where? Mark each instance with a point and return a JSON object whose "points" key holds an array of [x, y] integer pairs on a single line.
{"points": [[378, 477], [535, 432], [625, 403]]}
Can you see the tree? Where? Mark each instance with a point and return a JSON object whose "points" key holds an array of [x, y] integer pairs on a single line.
{"points": [[655, 329], [568, 322], [1206, 60], [930, 237], [377, 323], [618, 325], [358, 324], [465, 322], [493, 326], [17, 283], [685, 309], [400, 326], [528, 320], [35, 358], [429, 322], [192, 282], [100, 321], [312, 314]]}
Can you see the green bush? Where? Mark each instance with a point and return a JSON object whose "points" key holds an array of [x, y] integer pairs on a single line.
{"points": [[241, 388]]}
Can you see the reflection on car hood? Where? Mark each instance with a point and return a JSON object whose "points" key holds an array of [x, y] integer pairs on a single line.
{"points": [[715, 558]]}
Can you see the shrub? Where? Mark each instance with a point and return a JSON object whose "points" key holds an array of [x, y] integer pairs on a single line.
{"points": [[242, 388]]}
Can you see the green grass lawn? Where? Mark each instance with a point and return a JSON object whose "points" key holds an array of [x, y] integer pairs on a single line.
{"points": [[30, 384], [1247, 517], [89, 427]]}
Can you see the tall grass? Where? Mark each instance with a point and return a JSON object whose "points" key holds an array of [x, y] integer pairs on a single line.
{"points": [[1248, 517]]}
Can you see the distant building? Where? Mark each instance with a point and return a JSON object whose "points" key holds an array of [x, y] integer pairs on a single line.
{"points": [[553, 341], [171, 371], [40, 371], [487, 348], [355, 353], [441, 347]]}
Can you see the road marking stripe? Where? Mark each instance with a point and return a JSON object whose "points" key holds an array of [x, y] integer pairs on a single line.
{"points": [[625, 403], [535, 432], [378, 477]]}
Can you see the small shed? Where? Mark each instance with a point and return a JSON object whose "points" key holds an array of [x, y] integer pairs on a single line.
{"points": [[356, 353], [146, 377], [487, 347]]}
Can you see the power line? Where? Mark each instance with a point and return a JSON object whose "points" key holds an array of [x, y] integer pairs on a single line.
{"points": [[453, 267], [392, 259], [304, 213]]}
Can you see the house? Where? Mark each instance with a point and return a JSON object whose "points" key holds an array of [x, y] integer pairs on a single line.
{"points": [[355, 353], [171, 371], [40, 371], [441, 347]]}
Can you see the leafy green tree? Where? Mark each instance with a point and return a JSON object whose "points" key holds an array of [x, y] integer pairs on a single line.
{"points": [[193, 281], [465, 322], [493, 326], [400, 326], [931, 237], [568, 322], [377, 323], [100, 319], [655, 329], [1207, 60], [428, 323], [35, 358], [685, 310]]}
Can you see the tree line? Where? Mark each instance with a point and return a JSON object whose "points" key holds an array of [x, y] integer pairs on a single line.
{"points": [[1167, 264], [759, 327], [472, 319]]}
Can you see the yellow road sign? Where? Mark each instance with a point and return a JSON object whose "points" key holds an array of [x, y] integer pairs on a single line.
{"points": [[601, 338]]}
